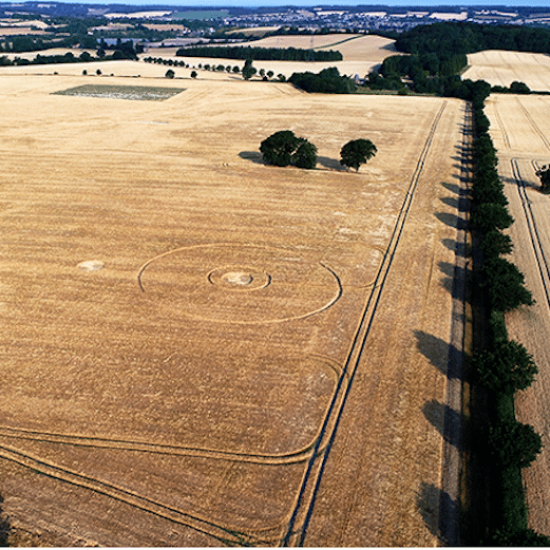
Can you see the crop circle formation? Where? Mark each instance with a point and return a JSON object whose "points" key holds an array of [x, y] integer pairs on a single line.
{"points": [[242, 284]]}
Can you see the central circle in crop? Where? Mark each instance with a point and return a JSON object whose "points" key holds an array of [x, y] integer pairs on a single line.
{"points": [[237, 278]]}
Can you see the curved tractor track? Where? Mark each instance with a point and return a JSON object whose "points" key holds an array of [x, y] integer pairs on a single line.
{"points": [[314, 456]]}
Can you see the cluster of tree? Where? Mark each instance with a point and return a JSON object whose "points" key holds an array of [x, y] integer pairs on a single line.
{"points": [[264, 54], [463, 38], [328, 81], [503, 367], [283, 148], [438, 53], [514, 88]]}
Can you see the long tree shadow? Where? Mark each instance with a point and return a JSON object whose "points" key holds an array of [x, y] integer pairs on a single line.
{"points": [[434, 349], [453, 187], [459, 248], [445, 420], [331, 164], [439, 512], [452, 272], [252, 156], [4, 526]]}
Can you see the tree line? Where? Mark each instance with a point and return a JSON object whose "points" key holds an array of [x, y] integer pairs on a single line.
{"points": [[260, 54], [501, 367]]}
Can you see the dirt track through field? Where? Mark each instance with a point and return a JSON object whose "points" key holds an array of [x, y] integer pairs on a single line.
{"points": [[246, 320]]}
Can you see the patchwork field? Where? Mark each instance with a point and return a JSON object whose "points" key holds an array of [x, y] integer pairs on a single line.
{"points": [[501, 68], [199, 349], [520, 130], [361, 55]]}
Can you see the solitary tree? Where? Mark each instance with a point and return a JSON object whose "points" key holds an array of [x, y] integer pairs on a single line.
{"points": [[357, 152], [170, 73], [193, 74], [248, 70]]}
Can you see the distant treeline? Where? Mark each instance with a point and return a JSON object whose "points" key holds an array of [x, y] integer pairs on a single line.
{"points": [[260, 54], [463, 38], [125, 51], [438, 53]]}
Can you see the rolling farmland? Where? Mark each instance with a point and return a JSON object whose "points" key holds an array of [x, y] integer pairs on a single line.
{"points": [[200, 349], [520, 133], [501, 68]]}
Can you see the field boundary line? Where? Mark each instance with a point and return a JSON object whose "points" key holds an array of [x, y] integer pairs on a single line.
{"points": [[301, 515], [534, 125], [542, 262], [501, 125]]}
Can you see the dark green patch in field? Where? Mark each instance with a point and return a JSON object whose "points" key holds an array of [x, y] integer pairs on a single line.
{"points": [[140, 93]]}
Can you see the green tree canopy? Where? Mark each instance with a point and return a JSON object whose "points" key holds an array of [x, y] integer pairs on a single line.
{"points": [[248, 70], [514, 444], [357, 152], [305, 155], [505, 285], [506, 369], [284, 148]]}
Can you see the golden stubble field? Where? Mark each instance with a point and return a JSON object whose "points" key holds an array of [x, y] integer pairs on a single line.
{"points": [[246, 318], [520, 130], [501, 68], [361, 55]]}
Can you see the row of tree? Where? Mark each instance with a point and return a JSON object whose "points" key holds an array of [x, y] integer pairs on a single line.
{"points": [[502, 366], [284, 148], [263, 54]]}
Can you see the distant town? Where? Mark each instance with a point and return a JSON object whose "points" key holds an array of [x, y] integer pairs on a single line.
{"points": [[48, 23]]}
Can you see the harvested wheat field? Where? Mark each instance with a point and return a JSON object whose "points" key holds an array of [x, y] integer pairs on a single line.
{"points": [[520, 129], [199, 349], [501, 68], [361, 54]]}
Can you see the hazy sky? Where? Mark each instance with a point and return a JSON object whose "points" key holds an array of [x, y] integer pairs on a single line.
{"points": [[256, 3]]}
